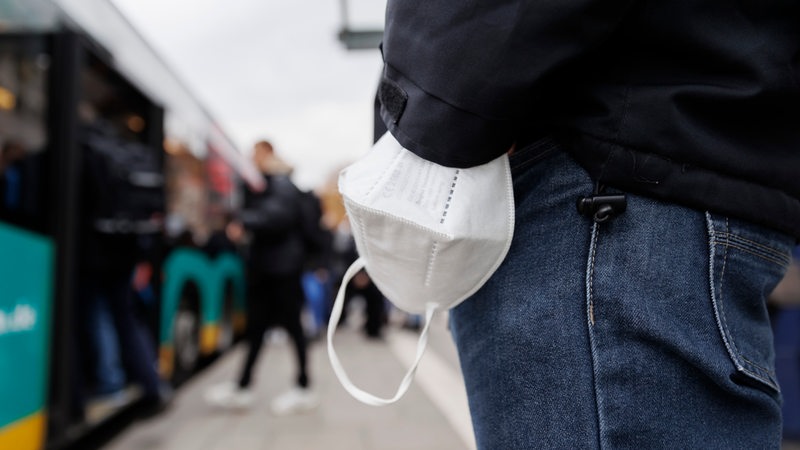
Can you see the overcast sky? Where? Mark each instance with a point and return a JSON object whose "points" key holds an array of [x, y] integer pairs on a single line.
{"points": [[273, 69]]}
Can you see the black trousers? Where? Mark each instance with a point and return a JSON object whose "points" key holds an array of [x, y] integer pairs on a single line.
{"points": [[275, 300], [375, 306]]}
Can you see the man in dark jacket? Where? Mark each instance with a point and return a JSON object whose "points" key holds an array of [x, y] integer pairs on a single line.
{"points": [[637, 319], [276, 259]]}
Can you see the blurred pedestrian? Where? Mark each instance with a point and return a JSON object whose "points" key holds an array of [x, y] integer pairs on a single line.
{"points": [[361, 286], [119, 224], [316, 271], [638, 319], [276, 258]]}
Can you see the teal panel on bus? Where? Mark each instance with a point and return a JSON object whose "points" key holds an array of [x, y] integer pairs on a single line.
{"points": [[209, 276], [26, 277]]}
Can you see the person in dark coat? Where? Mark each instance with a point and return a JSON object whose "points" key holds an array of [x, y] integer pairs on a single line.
{"points": [[276, 258]]}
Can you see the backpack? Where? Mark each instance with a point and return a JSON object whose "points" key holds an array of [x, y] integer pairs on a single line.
{"points": [[316, 238]]}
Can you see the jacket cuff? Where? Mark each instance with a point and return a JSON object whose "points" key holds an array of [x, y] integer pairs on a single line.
{"points": [[436, 130]]}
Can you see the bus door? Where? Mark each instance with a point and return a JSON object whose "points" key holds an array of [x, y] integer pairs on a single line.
{"points": [[28, 251], [53, 88]]}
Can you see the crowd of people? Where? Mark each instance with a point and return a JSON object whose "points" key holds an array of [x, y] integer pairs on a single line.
{"points": [[295, 256]]}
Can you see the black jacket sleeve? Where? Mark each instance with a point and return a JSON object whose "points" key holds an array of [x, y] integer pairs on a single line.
{"points": [[458, 74]]}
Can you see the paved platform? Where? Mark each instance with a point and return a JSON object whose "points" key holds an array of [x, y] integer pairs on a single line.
{"points": [[432, 416]]}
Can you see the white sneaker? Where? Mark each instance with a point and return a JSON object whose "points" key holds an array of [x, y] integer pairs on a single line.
{"points": [[229, 396], [295, 401]]}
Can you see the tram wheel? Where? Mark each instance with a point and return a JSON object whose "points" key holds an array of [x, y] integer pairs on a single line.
{"points": [[186, 335]]}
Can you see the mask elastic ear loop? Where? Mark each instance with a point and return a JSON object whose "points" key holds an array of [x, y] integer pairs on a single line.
{"points": [[336, 313]]}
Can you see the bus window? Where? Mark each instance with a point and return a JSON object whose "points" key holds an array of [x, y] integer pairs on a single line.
{"points": [[24, 65]]}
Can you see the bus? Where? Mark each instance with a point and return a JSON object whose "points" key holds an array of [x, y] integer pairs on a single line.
{"points": [[77, 80]]}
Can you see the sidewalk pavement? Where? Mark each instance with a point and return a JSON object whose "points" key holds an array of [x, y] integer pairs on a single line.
{"points": [[432, 416]]}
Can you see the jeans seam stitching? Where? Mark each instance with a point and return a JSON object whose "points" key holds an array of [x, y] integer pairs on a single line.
{"points": [[758, 366], [590, 324], [765, 248], [590, 276], [757, 249], [722, 280], [767, 258], [714, 300]]}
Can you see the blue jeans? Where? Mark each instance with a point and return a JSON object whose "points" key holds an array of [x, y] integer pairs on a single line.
{"points": [[108, 370], [646, 331]]}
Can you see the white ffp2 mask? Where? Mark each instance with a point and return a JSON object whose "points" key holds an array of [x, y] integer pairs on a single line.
{"points": [[429, 236]]}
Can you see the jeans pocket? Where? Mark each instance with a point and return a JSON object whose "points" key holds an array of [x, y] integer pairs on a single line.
{"points": [[747, 262]]}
